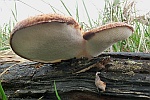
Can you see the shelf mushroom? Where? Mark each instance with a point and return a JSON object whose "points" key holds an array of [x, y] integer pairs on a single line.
{"points": [[52, 37], [48, 37], [104, 36]]}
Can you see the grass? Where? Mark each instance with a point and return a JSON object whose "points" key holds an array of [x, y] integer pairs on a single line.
{"points": [[2, 93], [56, 92], [4, 37], [4, 97]]}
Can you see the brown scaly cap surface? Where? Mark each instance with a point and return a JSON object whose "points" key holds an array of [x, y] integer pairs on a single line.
{"points": [[43, 19], [89, 34]]}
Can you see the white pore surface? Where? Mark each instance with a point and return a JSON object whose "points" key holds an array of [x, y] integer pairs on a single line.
{"points": [[47, 42], [106, 38]]}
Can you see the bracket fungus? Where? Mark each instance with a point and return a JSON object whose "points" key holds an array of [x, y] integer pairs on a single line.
{"points": [[50, 37]]}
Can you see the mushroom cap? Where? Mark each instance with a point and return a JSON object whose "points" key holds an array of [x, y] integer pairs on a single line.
{"points": [[99, 39], [46, 38]]}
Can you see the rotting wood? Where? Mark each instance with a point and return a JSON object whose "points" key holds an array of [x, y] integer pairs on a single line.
{"points": [[127, 77]]}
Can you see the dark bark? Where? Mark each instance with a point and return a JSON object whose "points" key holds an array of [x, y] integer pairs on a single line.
{"points": [[127, 76]]}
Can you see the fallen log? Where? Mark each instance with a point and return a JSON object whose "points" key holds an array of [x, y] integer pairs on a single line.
{"points": [[127, 76]]}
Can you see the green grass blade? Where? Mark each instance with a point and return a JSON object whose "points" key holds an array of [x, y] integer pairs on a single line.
{"points": [[53, 9], [14, 13], [77, 13], [50, 6], [66, 7], [115, 48], [30, 6], [4, 48], [56, 92], [2, 93], [87, 13]]}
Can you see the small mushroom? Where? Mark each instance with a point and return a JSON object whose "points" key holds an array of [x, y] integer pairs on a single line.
{"points": [[101, 38], [47, 37], [99, 84]]}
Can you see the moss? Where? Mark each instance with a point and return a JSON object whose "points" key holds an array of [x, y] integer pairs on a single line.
{"points": [[131, 73], [125, 68], [136, 68], [133, 62], [130, 62]]}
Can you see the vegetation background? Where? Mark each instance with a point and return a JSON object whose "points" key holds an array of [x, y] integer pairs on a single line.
{"points": [[113, 11]]}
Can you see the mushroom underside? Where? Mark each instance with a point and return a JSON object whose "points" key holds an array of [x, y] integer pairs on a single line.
{"points": [[99, 41], [47, 41]]}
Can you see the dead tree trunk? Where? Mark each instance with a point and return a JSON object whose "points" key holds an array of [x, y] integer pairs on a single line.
{"points": [[127, 76]]}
